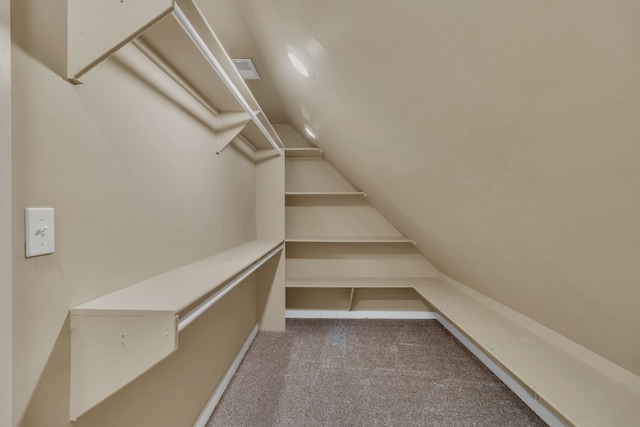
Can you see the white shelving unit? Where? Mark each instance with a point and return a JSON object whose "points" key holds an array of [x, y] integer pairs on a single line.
{"points": [[176, 37], [340, 251], [117, 337]]}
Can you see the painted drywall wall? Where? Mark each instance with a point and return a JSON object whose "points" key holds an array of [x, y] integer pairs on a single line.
{"points": [[5, 215], [500, 135], [128, 163]]}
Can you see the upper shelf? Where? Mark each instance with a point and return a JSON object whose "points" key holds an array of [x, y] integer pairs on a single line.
{"points": [[326, 194], [176, 37], [355, 239], [314, 153]]}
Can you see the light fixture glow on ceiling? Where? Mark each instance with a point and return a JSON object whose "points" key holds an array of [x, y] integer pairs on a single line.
{"points": [[310, 132], [296, 60]]}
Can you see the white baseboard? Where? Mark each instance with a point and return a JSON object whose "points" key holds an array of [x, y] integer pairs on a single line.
{"points": [[524, 395], [224, 382], [345, 314]]}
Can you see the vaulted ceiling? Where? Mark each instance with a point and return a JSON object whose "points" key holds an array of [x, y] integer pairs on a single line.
{"points": [[503, 136]]}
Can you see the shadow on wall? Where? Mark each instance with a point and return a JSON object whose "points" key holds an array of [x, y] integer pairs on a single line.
{"points": [[40, 28], [173, 392], [43, 410]]}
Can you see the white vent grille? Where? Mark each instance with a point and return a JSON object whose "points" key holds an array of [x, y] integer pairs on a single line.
{"points": [[246, 68]]}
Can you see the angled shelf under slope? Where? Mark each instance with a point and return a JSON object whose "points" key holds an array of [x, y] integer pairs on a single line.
{"points": [[359, 194], [583, 389], [176, 37], [117, 337], [312, 153], [354, 282], [340, 239]]}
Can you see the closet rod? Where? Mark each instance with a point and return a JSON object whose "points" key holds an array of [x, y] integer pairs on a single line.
{"points": [[188, 28], [209, 302]]}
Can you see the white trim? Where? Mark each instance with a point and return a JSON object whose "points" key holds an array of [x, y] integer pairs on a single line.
{"points": [[208, 409], [344, 314], [542, 411]]}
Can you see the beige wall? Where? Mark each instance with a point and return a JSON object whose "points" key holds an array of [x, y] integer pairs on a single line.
{"points": [[500, 135], [128, 162], [5, 215]]}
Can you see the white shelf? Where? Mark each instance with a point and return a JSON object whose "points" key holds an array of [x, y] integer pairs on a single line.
{"points": [[315, 153], [312, 239], [353, 282], [326, 194], [313, 175], [175, 36], [566, 379], [117, 337], [348, 218], [177, 289]]}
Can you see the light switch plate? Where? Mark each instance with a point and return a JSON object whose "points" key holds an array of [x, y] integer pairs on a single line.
{"points": [[39, 231]]}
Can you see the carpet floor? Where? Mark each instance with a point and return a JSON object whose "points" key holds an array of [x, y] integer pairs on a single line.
{"points": [[368, 372]]}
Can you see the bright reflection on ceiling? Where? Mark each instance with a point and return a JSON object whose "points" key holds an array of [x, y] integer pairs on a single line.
{"points": [[296, 60], [310, 132]]}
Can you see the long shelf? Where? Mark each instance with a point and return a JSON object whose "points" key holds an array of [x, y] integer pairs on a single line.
{"points": [[353, 282], [383, 239], [304, 153], [326, 194], [177, 289], [117, 337], [566, 378]]}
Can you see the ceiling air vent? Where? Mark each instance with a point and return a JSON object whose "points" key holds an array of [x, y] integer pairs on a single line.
{"points": [[246, 68]]}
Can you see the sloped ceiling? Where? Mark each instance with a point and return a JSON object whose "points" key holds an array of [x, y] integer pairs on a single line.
{"points": [[503, 136]]}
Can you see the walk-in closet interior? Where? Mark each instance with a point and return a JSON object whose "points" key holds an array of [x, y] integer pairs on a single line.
{"points": [[216, 167]]}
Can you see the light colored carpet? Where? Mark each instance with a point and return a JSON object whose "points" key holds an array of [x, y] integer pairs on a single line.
{"points": [[366, 373]]}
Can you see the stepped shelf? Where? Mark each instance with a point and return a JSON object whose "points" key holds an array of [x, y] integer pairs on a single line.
{"points": [[355, 239], [315, 153], [354, 282], [117, 337], [326, 194]]}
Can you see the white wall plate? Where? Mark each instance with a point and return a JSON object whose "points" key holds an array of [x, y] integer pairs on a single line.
{"points": [[39, 231]]}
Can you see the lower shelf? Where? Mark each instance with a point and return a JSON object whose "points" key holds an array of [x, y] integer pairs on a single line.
{"points": [[354, 282], [578, 385], [355, 299], [117, 337], [356, 239]]}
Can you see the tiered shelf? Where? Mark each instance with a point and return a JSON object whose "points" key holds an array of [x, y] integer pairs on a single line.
{"points": [[305, 153], [342, 254], [309, 194], [354, 282], [355, 239]]}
